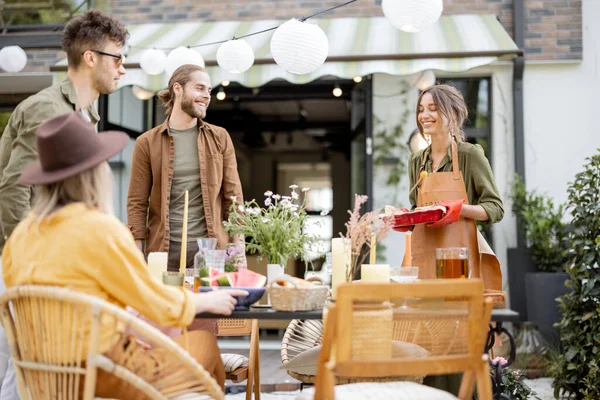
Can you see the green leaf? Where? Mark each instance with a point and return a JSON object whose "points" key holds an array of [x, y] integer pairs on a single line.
{"points": [[587, 316]]}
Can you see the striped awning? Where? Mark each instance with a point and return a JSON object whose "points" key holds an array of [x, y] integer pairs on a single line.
{"points": [[357, 46]]}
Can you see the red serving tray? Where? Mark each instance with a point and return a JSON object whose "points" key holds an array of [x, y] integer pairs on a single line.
{"points": [[417, 217]]}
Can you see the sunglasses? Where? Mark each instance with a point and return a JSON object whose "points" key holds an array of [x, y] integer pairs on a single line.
{"points": [[120, 58]]}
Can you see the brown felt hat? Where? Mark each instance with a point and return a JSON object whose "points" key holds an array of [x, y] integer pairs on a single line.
{"points": [[68, 145]]}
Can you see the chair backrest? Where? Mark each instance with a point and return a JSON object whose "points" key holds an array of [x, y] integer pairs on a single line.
{"points": [[59, 338], [234, 327], [448, 318]]}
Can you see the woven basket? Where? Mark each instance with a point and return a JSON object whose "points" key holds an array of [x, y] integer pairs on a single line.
{"points": [[297, 299]]}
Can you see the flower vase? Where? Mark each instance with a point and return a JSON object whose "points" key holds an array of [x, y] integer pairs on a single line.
{"points": [[274, 271]]}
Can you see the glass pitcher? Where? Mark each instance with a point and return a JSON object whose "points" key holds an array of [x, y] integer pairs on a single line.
{"points": [[204, 244]]}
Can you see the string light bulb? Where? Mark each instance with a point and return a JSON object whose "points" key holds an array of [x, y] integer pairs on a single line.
{"points": [[141, 93], [225, 83], [221, 95], [337, 91], [357, 79]]}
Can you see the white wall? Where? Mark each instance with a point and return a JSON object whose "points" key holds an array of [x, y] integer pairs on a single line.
{"points": [[562, 105]]}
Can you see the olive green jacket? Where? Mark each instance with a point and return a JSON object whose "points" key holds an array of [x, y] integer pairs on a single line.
{"points": [[477, 173], [18, 148]]}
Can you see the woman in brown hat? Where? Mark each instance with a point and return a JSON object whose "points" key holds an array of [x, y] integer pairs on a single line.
{"points": [[71, 239]]}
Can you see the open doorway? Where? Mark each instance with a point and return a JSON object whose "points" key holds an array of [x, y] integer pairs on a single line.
{"points": [[310, 135]]}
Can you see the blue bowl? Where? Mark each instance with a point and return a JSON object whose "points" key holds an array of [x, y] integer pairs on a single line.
{"points": [[243, 303]]}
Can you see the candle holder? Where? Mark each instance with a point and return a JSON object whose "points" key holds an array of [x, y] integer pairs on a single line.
{"points": [[172, 278]]}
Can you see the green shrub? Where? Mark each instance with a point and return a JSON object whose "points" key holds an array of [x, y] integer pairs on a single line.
{"points": [[546, 234], [576, 372]]}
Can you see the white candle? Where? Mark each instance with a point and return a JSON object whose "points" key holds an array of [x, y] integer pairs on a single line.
{"points": [[340, 258], [157, 264], [375, 273]]}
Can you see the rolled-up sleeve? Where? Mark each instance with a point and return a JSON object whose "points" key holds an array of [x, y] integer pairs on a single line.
{"points": [[122, 272], [484, 183], [140, 183]]}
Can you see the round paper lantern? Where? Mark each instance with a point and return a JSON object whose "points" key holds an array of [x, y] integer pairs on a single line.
{"points": [[412, 15], [180, 56], [153, 61], [12, 58], [299, 47], [424, 79], [235, 56]]}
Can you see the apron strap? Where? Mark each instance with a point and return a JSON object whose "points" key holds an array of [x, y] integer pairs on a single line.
{"points": [[423, 162], [455, 169]]}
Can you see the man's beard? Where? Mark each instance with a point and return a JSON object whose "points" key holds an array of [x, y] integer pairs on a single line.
{"points": [[188, 106]]}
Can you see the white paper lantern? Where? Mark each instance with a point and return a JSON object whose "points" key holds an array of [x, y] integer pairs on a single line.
{"points": [[235, 56], [180, 56], [412, 15], [299, 47], [12, 59], [153, 61], [424, 79]]}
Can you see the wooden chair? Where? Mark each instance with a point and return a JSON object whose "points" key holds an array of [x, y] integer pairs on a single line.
{"points": [[458, 303], [251, 373], [58, 341]]}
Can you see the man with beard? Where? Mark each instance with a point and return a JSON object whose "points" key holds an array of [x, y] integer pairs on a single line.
{"points": [[184, 153], [94, 45]]}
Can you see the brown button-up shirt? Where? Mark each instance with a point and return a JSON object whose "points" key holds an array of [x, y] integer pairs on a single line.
{"points": [[152, 176]]}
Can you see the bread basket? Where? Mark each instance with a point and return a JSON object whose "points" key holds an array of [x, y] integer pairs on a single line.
{"points": [[293, 294]]}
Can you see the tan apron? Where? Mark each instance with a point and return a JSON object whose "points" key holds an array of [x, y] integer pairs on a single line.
{"points": [[440, 186]]}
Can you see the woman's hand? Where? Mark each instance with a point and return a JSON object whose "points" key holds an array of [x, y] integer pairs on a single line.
{"points": [[218, 301]]}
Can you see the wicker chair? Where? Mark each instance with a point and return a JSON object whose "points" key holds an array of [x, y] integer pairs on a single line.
{"points": [[55, 357], [251, 373], [437, 337], [354, 346]]}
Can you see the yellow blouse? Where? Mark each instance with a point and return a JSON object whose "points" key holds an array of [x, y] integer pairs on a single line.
{"points": [[94, 253]]}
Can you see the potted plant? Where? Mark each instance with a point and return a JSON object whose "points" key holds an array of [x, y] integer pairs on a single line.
{"points": [[576, 369], [546, 238], [276, 231]]}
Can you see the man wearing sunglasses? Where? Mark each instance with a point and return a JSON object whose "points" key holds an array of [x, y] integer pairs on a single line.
{"points": [[94, 45]]}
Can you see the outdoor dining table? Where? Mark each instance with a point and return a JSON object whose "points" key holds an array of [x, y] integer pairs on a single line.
{"points": [[499, 316]]}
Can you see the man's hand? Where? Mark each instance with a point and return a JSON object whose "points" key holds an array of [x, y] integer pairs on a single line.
{"points": [[218, 301]]}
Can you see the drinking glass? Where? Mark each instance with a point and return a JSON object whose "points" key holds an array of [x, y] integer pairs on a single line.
{"points": [[189, 279], [172, 278], [328, 262], [204, 244], [215, 259], [452, 263], [404, 275]]}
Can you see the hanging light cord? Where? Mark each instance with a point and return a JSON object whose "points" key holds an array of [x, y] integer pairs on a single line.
{"points": [[303, 19]]}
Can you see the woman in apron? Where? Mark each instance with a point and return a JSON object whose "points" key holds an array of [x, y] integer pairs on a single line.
{"points": [[452, 169]]}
